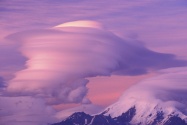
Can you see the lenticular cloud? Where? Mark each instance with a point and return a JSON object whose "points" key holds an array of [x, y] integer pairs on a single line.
{"points": [[61, 58]]}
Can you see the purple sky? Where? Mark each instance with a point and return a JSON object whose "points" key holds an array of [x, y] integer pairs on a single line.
{"points": [[60, 70]]}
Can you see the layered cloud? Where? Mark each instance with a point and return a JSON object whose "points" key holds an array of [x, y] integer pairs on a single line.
{"points": [[11, 59], [2, 82], [61, 58]]}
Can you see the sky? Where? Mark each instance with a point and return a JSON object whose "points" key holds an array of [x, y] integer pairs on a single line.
{"points": [[62, 56]]}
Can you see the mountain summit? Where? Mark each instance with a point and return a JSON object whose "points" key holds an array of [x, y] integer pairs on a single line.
{"points": [[126, 118], [132, 110]]}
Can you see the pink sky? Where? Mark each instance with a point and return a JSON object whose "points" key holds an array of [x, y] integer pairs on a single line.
{"points": [[106, 90]]}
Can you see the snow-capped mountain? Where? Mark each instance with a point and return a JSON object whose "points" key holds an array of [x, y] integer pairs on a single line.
{"points": [[126, 118], [81, 118], [148, 115], [133, 113]]}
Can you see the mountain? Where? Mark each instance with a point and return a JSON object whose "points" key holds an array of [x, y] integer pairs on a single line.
{"points": [[134, 109], [144, 112], [126, 118]]}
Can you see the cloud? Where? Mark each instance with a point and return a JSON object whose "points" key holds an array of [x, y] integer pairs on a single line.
{"points": [[11, 60], [25, 110], [84, 23], [2, 82], [60, 59]]}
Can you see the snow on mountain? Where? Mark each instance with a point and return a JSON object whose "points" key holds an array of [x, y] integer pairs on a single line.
{"points": [[147, 113], [159, 98]]}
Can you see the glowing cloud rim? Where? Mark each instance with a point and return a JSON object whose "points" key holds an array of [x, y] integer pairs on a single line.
{"points": [[82, 23]]}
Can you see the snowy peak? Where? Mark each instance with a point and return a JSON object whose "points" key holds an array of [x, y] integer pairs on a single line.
{"points": [[80, 118], [148, 111], [126, 118], [138, 115], [102, 120], [131, 111]]}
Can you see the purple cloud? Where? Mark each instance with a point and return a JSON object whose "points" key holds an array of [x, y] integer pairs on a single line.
{"points": [[61, 58]]}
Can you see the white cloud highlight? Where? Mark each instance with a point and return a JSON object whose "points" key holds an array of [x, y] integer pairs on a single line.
{"points": [[85, 23]]}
